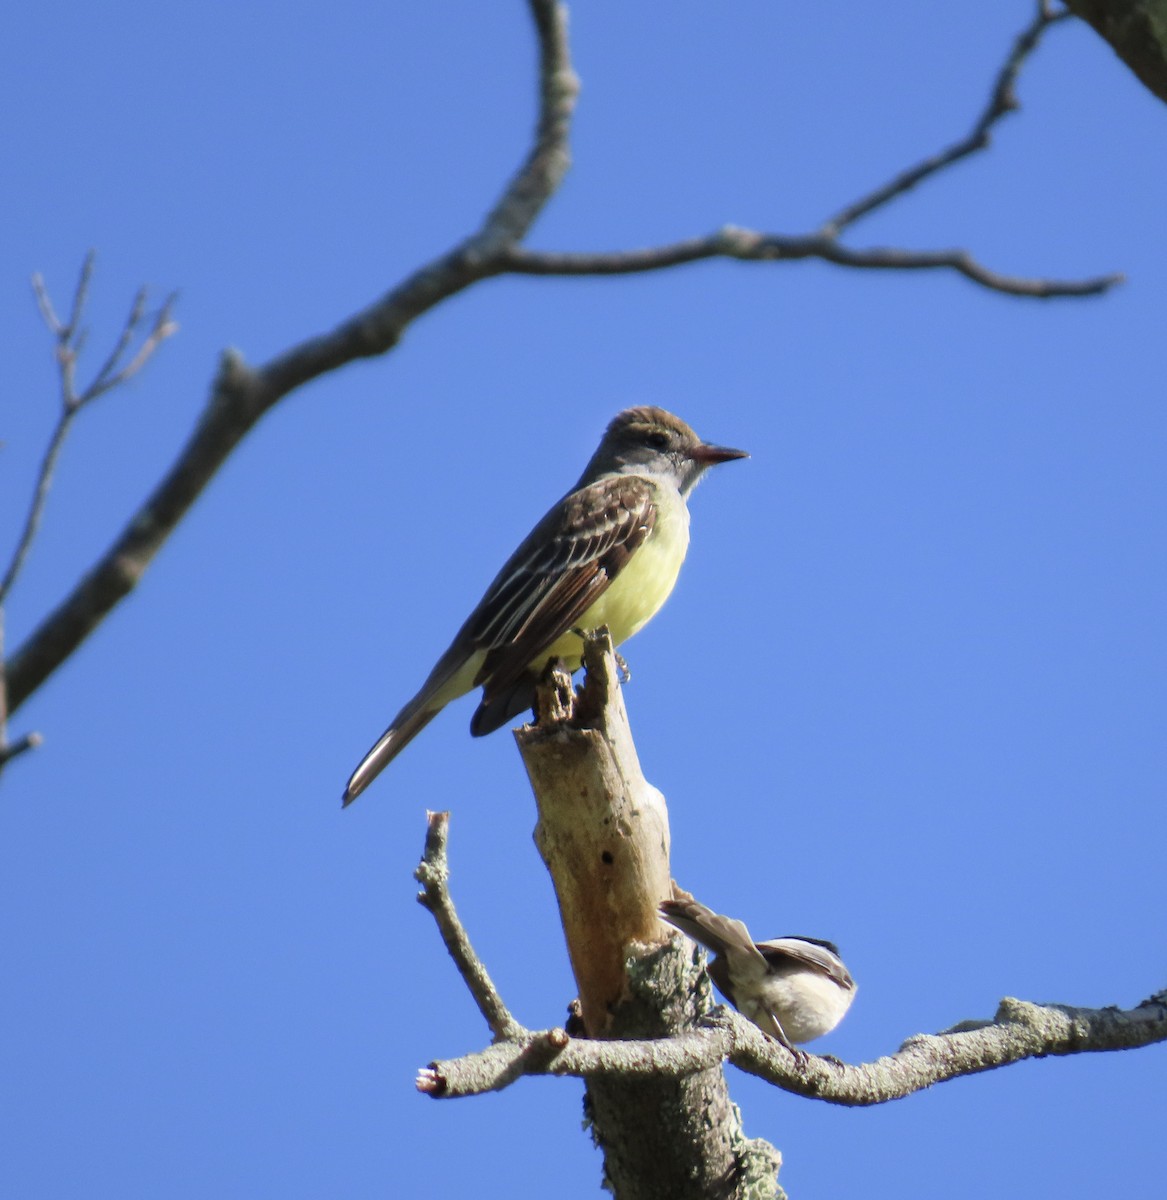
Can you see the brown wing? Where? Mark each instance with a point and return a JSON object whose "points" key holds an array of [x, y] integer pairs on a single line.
{"points": [[555, 576]]}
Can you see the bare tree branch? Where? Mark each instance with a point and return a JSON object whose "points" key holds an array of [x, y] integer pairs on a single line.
{"points": [[114, 371], [569, 720], [70, 339], [40, 495], [1002, 100], [754, 246], [498, 1066], [550, 156], [241, 395], [603, 834], [433, 873], [1019, 1031], [11, 750], [517, 1050], [749, 245]]}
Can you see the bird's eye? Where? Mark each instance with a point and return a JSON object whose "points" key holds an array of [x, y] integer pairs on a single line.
{"points": [[658, 441]]}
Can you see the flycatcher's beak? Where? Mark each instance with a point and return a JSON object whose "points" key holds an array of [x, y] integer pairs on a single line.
{"points": [[709, 456]]}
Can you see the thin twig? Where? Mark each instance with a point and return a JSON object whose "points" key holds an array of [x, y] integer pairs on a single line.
{"points": [[36, 508], [69, 338], [109, 367], [164, 326], [1002, 101], [11, 750], [433, 874], [81, 294], [748, 245], [45, 304], [113, 371]]}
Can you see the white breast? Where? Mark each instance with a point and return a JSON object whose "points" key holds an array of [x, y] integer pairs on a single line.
{"points": [[806, 1003]]}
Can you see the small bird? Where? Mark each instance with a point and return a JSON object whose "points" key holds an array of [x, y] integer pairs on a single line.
{"points": [[793, 988], [607, 554]]}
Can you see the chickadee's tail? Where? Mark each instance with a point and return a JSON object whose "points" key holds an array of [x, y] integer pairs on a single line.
{"points": [[715, 932]]}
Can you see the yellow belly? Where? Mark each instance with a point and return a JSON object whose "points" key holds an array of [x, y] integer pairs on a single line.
{"points": [[636, 594]]}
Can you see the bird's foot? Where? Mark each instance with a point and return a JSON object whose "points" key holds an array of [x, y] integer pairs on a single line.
{"points": [[621, 662], [801, 1057]]}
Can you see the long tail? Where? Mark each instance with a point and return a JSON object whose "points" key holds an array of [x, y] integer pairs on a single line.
{"points": [[410, 721]]}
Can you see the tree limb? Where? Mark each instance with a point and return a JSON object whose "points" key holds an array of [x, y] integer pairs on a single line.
{"points": [[669, 1043], [69, 337], [433, 873], [11, 750], [499, 1065], [748, 245], [1019, 1031], [1002, 101], [69, 340]]}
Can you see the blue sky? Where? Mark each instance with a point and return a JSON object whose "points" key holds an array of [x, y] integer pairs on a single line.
{"points": [[908, 695]]}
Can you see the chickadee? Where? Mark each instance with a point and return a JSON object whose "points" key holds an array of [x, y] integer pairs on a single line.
{"points": [[793, 988]]}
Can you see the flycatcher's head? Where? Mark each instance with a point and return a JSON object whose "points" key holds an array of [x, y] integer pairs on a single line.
{"points": [[653, 441]]}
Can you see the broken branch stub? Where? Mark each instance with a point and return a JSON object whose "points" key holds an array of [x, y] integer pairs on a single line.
{"points": [[603, 830]]}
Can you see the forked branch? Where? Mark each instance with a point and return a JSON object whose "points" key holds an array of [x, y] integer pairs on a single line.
{"points": [[433, 873], [120, 365], [1019, 1030], [122, 362], [1002, 101]]}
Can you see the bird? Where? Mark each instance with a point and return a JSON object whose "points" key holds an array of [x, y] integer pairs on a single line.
{"points": [[793, 988], [607, 554]]}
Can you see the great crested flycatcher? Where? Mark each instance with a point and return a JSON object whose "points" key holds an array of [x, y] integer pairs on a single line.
{"points": [[607, 554]]}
